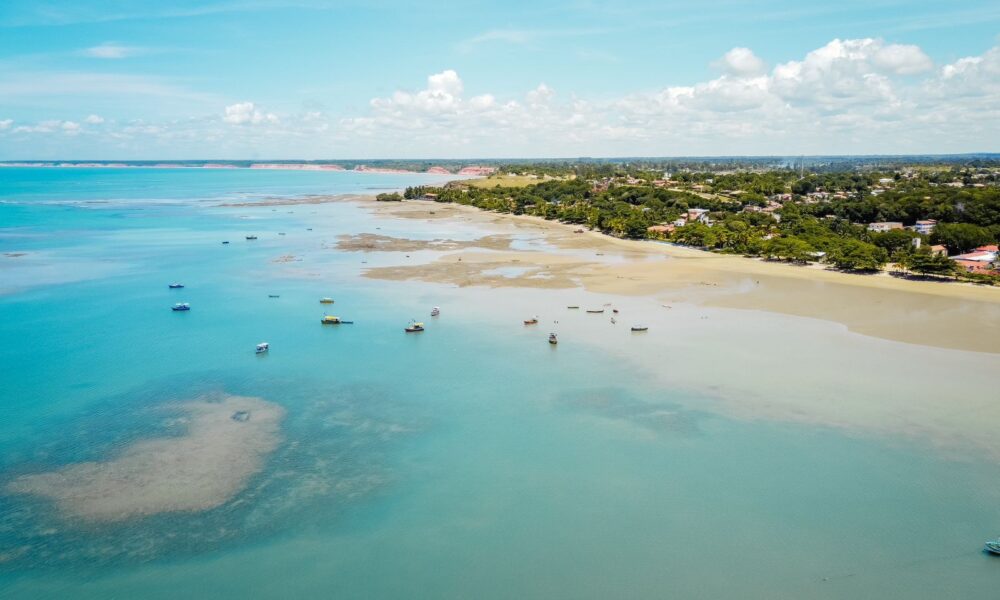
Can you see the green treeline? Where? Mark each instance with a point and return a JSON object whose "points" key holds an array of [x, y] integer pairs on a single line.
{"points": [[772, 214]]}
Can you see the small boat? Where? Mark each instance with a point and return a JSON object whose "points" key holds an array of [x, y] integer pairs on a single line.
{"points": [[614, 310], [414, 327], [613, 322], [640, 328], [531, 321], [309, 228], [552, 339], [993, 546], [435, 311], [181, 306], [281, 233], [175, 286], [225, 241], [595, 311], [573, 307], [330, 320], [263, 347], [251, 237], [273, 296], [326, 300]]}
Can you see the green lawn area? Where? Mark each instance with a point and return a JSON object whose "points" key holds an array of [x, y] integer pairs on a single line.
{"points": [[506, 181]]}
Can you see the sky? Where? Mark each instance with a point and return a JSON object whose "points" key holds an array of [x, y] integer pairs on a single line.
{"points": [[328, 79]]}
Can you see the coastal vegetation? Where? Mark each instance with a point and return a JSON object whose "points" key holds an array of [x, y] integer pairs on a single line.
{"points": [[860, 220]]}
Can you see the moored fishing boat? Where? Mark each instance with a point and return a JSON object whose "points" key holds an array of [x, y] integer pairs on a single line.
{"points": [[251, 237], [993, 546], [326, 300], [572, 307], [640, 328], [181, 306], [435, 311], [175, 286], [263, 347], [595, 311], [414, 327], [331, 320], [531, 321], [553, 339]]}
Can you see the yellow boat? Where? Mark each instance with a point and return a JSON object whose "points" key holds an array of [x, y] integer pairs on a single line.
{"points": [[329, 320], [326, 300]]}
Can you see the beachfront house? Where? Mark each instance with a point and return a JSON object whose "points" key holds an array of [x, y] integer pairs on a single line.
{"points": [[699, 215], [981, 260], [884, 226], [660, 231]]}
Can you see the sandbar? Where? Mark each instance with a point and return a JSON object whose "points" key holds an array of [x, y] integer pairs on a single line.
{"points": [[226, 442]]}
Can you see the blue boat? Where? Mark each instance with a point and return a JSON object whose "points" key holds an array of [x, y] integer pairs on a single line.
{"points": [[181, 306], [175, 286]]}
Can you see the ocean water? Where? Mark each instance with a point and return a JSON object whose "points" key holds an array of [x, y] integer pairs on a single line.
{"points": [[473, 460]]}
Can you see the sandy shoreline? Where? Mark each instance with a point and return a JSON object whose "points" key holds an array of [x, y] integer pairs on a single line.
{"points": [[943, 314]]}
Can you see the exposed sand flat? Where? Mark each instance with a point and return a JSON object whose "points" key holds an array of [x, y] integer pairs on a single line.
{"points": [[370, 242], [944, 314], [227, 440]]}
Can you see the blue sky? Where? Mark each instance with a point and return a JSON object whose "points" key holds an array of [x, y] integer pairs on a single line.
{"points": [[328, 79]]}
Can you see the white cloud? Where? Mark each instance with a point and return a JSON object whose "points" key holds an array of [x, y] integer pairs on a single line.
{"points": [[111, 50], [94, 120], [902, 59], [445, 82], [243, 113], [541, 95], [848, 96], [50, 126], [741, 62]]}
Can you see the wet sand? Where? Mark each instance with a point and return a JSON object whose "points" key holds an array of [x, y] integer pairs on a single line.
{"points": [[943, 314], [225, 444]]}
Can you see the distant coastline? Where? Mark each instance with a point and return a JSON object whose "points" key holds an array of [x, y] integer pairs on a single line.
{"points": [[471, 170]]}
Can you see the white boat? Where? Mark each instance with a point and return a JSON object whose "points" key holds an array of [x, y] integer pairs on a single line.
{"points": [[181, 306], [993, 546], [435, 311], [263, 347], [552, 339]]}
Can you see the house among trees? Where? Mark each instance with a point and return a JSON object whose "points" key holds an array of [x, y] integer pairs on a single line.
{"points": [[884, 226]]}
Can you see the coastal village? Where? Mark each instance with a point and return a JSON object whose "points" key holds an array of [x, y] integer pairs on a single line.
{"points": [[937, 221]]}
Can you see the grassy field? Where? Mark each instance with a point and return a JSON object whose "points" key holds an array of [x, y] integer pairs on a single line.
{"points": [[506, 181]]}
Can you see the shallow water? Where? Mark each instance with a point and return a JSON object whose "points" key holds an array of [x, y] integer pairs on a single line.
{"points": [[472, 460]]}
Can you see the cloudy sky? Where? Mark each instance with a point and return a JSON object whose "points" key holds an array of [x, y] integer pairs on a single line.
{"points": [[119, 79]]}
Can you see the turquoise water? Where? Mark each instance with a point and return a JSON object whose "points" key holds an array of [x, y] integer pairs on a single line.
{"points": [[473, 460]]}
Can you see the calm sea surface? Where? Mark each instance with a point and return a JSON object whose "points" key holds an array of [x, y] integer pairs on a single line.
{"points": [[470, 461]]}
